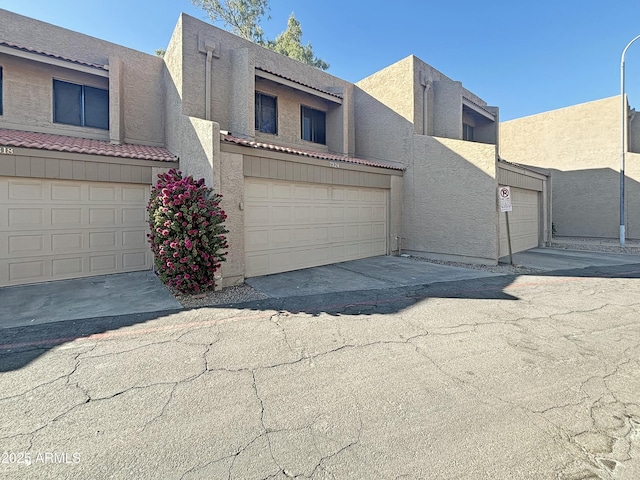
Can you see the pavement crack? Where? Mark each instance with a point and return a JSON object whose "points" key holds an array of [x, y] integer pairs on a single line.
{"points": [[163, 409], [275, 319]]}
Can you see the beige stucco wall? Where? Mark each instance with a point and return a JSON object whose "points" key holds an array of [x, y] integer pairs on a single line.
{"points": [[580, 145], [232, 190], [233, 79], [143, 102], [28, 96], [449, 206], [450, 200]]}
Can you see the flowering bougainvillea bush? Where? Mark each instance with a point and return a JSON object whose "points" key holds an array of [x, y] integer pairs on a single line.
{"points": [[187, 232]]}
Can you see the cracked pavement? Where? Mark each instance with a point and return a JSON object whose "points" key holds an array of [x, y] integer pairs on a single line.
{"points": [[530, 377]]}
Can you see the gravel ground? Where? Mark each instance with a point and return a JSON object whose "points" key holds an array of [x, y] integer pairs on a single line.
{"points": [[228, 296], [245, 293]]}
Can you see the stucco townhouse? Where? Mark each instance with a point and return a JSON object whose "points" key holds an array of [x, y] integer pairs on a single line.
{"points": [[581, 147], [313, 169]]}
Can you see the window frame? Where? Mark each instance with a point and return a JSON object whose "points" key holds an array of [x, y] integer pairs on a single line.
{"points": [[82, 106], [258, 113], [315, 135], [468, 132]]}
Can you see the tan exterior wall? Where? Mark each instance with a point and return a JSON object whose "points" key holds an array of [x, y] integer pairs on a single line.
{"points": [[289, 102], [28, 96], [28, 84], [233, 83], [450, 200], [580, 145], [449, 205], [232, 189]]}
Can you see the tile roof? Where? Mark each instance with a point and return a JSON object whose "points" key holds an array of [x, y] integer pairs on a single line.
{"points": [[309, 153], [62, 143], [333, 94], [482, 107], [53, 55]]}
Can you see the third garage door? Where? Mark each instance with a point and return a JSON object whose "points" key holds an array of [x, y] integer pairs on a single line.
{"points": [[524, 222], [294, 225]]}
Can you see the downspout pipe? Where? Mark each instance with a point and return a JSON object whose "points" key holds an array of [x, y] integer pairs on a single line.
{"points": [[207, 79], [426, 86]]}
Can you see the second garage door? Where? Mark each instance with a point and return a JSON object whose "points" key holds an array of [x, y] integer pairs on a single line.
{"points": [[295, 225]]}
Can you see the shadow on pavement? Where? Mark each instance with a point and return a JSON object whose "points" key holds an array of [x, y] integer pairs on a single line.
{"points": [[21, 345]]}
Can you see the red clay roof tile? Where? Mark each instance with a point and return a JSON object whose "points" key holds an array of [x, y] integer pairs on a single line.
{"points": [[52, 55], [310, 153], [62, 143], [337, 95]]}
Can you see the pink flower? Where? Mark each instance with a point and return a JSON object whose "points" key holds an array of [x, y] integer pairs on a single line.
{"points": [[188, 244], [165, 232]]}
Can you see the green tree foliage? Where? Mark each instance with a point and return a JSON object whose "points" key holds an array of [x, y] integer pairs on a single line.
{"points": [[244, 17], [289, 43]]}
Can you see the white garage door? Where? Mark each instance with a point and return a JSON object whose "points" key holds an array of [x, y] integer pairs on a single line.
{"points": [[289, 226], [56, 229], [524, 222]]}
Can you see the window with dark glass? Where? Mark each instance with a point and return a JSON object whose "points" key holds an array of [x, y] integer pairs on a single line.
{"points": [[314, 125], [467, 132], [266, 113], [80, 105]]}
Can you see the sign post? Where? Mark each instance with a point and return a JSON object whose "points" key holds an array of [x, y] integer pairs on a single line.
{"points": [[504, 197]]}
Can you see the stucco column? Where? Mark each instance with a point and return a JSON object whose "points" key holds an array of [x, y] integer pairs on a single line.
{"points": [[116, 100]]}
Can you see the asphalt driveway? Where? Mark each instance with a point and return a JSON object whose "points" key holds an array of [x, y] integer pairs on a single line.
{"points": [[142, 292], [530, 377]]}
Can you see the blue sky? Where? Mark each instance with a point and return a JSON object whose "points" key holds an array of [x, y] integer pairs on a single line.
{"points": [[525, 57]]}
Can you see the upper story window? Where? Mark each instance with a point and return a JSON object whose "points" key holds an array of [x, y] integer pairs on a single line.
{"points": [[467, 132], [80, 105], [314, 125], [266, 113]]}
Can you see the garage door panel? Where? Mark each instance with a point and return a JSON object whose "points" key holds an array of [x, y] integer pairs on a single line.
{"points": [[25, 190], [103, 264], [134, 238], [26, 270], [102, 194], [68, 229], [71, 193], [280, 237], [137, 260], [133, 216], [325, 224], [66, 217], [66, 242], [26, 217], [67, 267], [279, 214], [25, 244], [320, 214], [134, 194]]}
